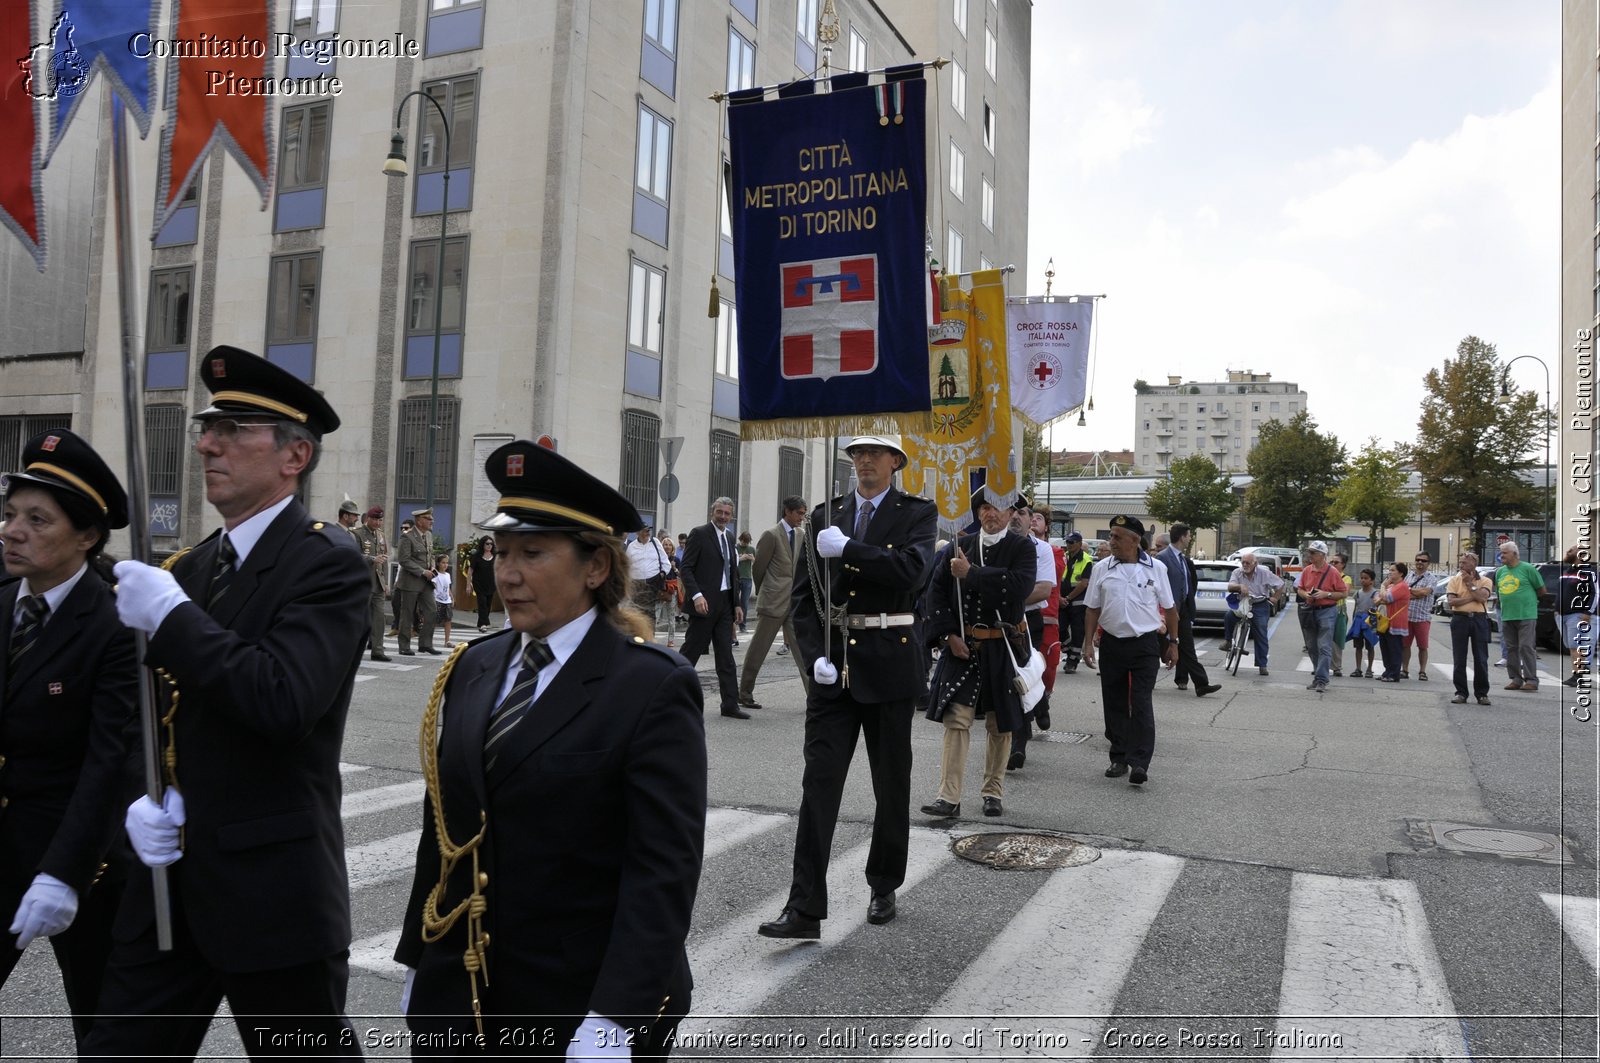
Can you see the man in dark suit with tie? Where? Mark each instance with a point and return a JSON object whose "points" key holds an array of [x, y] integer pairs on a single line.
{"points": [[774, 577], [710, 571], [1181, 574], [867, 670], [261, 628]]}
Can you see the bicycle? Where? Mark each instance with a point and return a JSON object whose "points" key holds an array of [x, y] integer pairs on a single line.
{"points": [[1243, 630]]}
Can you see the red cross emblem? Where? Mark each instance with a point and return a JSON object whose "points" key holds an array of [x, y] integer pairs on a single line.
{"points": [[513, 464], [1044, 373], [219, 368], [50, 442], [55, 688]]}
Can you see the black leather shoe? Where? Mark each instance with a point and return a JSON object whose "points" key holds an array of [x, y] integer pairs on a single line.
{"points": [[1138, 776], [880, 909], [381, 657], [408, 653], [1209, 688], [736, 714], [1017, 760], [1041, 718], [1117, 770], [749, 703], [939, 808], [992, 806], [1181, 686], [430, 651], [791, 924]]}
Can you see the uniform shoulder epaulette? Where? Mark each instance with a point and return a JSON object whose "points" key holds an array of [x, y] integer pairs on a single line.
{"points": [[333, 531], [918, 498], [640, 643], [491, 635]]}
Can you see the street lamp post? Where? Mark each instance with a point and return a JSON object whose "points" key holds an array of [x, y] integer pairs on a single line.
{"points": [[1505, 394], [395, 166]]}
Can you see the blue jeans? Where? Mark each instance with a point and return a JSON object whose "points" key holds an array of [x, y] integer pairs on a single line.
{"points": [[1323, 657], [747, 590], [1260, 614]]}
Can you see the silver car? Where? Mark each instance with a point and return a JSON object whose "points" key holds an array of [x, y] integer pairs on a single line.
{"points": [[1211, 592]]}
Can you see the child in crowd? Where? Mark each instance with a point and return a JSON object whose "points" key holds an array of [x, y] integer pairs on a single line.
{"points": [[1363, 608], [443, 600]]}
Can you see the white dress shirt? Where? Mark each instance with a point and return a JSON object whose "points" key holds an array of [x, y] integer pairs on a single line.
{"points": [[563, 643], [1130, 595], [249, 532], [52, 597]]}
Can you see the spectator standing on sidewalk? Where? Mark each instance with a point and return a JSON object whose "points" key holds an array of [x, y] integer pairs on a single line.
{"points": [[1467, 594], [480, 566], [747, 579], [1256, 580], [1395, 598], [443, 597], [1341, 621], [1575, 604], [1519, 584], [1320, 588], [647, 570], [1362, 633], [1423, 584]]}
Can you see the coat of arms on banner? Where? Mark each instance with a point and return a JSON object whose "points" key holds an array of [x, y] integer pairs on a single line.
{"points": [[829, 317]]}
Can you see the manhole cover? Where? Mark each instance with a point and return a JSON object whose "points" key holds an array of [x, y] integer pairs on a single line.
{"points": [[1466, 839], [1491, 840], [1070, 737], [1024, 852]]}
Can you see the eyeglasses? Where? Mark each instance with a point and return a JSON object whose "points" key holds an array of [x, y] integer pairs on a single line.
{"points": [[1421, 561], [225, 429]]}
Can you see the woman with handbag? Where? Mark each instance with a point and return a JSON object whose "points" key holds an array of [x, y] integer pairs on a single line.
{"points": [[1394, 599], [974, 609]]}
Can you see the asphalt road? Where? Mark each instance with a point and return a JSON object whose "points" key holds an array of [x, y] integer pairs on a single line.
{"points": [[1275, 890]]}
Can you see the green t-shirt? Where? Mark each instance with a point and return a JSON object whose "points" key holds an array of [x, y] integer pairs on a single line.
{"points": [[747, 561], [1518, 587]]}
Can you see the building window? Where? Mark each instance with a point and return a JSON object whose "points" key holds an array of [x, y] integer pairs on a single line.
{"points": [[805, 25], [858, 51], [952, 250], [303, 162], [988, 205], [961, 17], [459, 98], [1200, 407], [661, 24], [991, 51], [741, 63], [315, 18], [655, 155], [984, 263], [958, 170], [724, 478], [292, 313], [958, 90], [646, 297], [641, 451], [409, 481], [988, 126], [424, 264], [165, 437], [17, 429], [168, 328], [727, 353], [791, 475], [844, 475]]}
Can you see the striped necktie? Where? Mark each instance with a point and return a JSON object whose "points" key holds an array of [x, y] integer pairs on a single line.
{"points": [[222, 574], [515, 705], [26, 633], [863, 518]]}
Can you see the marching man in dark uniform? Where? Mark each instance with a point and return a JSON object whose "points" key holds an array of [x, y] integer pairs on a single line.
{"points": [[375, 551], [261, 628], [975, 607], [877, 543], [67, 708], [557, 934], [1132, 623]]}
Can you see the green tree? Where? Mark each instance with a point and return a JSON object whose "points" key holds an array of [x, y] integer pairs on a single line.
{"points": [[1472, 449], [1196, 492], [1373, 492], [1294, 470]]}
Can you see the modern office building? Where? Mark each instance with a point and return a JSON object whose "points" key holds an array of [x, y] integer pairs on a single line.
{"points": [[585, 224], [1220, 419]]}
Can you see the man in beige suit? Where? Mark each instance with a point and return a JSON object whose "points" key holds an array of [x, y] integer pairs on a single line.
{"points": [[774, 573]]}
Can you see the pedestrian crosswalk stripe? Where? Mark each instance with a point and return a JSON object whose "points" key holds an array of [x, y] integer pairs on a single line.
{"points": [[382, 798], [351, 769], [1580, 917], [1355, 949], [384, 860], [730, 827], [1066, 954], [375, 954], [735, 970]]}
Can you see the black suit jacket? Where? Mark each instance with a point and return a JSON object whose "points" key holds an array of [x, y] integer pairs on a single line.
{"points": [[595, 831], [67, 718], [265, 686], [883, 572], [702, 565]]}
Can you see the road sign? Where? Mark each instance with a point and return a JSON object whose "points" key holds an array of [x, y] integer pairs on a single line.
{"points": [[669, 486], [670, 448], [1356, 538]]}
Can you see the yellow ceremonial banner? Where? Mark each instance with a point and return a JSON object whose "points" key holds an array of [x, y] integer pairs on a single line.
{"points": [[971, 404]]}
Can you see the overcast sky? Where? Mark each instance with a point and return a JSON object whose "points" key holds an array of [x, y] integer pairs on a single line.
{"points": [[1331, 192]]}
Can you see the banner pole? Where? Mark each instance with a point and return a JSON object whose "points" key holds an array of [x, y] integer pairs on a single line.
{"points": [[827, 570], [138, 509]]}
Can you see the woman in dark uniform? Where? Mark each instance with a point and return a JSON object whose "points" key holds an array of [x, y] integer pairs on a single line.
{"points": [[67, 714], [564, 821]]}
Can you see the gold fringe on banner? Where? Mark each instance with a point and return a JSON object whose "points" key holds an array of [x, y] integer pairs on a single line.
{"points": [[823, 427]]}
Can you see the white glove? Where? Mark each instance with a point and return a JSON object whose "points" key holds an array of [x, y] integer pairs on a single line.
{"points": [[145, 595], [598, 1038], [405, 993], [823, 671], [153, 828], [830, 542], [46, 909]]}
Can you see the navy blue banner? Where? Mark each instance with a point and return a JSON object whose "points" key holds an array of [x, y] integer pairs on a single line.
{"points": [[829, 224]]}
